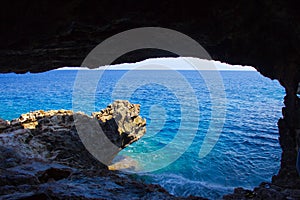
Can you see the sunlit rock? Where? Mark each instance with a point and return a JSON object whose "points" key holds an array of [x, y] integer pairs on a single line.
{"points": [[52, 135], [123, 116]]}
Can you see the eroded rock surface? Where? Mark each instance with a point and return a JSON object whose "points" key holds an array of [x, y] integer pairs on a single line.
{"points": [[42, 156], [45, 181], [266, 191], [126, 119], [53, 135]]}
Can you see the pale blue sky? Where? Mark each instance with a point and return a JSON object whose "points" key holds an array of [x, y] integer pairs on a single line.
{"points": [[181, 63]]}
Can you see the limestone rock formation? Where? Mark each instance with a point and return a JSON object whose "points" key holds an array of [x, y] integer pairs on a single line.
{"points": [[53, 136], [125, 118], [22, 178], [42, 156]]}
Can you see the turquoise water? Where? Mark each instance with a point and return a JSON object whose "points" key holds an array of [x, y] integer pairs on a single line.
{"points": [[246, 153]]}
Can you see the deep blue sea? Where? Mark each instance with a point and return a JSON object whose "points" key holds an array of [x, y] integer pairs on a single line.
{"points": [[246, 152]]}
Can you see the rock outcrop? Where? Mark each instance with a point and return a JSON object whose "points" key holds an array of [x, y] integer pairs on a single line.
{"points": [[266, 191], [53, 135], [25, 179], [122, 117], [42, 156]]}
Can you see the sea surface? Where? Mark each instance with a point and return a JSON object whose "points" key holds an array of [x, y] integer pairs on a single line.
{"points": [[179, 107]]}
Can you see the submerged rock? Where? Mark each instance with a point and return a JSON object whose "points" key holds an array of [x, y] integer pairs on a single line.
{"points": [[124, 163]]}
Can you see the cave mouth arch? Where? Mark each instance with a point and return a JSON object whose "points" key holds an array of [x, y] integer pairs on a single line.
{"points": [[254, 135], [265, 34]]}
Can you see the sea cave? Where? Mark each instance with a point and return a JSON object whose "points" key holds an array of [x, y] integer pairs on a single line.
{"points": [[42, 36]]}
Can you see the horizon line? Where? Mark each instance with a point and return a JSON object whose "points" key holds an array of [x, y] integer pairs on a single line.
{"points": [[179, 63]]}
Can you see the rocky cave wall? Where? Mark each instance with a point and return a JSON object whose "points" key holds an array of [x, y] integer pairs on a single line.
{"points": [[38, 36]]}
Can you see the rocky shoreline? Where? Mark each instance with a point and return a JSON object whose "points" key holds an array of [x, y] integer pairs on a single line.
{"points": [[42, 156], [267, 191], [54, 135]]}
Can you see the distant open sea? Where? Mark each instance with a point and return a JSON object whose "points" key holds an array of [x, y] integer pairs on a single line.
{"points": [[246, 153]]}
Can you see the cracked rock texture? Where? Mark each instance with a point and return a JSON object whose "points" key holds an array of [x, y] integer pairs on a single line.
{"points": [[42, 157], [53, 135]]}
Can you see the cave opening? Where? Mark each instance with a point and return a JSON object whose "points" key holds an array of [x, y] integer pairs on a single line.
{"points": [[248, 141], [43, 36]]}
